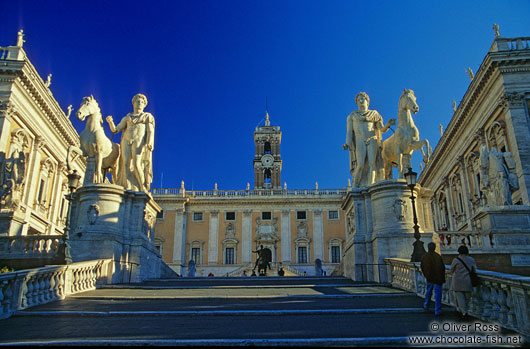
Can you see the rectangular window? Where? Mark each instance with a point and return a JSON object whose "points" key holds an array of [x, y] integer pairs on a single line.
{"points": [[301, 215], [266, 216], [160, 215], [333, 215], [229, 255], [41, 191], [230, 216], [196, 255], [197, 216], [302, 255], [335, 254]]}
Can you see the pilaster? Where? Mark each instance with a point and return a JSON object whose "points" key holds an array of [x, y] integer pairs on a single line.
{"points": [[286, 236], [179, 240], [318, 235], [246, 237], [213, 238]]}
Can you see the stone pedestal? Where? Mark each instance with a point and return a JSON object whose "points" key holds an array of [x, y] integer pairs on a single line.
{"points": [[381, 224], [110, 222]]}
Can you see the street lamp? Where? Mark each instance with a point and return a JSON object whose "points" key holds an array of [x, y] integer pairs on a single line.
{"points": [[419, 250], [64, 249]]}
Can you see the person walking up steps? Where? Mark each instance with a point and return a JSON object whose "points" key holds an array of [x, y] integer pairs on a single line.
{"points": [[433, 268]]}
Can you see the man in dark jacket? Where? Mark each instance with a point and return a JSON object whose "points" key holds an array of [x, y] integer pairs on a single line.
{"points": [[433, 269]]}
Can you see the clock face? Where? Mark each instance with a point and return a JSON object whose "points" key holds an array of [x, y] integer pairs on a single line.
{"points": [[267, 160]]}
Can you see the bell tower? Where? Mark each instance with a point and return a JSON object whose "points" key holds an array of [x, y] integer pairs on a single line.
{"points": [[267, 159]]}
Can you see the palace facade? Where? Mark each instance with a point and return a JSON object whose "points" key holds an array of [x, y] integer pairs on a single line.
{"points": [[35, 134], [220, 229]]}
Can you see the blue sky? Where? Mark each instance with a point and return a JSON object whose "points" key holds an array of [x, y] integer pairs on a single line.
{"points": [[207, 68]]}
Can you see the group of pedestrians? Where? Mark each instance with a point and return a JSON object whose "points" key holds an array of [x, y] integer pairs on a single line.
{"points": [[433, 268]]}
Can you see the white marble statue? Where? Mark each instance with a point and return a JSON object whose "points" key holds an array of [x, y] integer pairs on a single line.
{"points": [[363, 140], [398, 148], [496, 30], [137, 144], [69, 109], [454, 106], [470, 73], [20, 38], [95, 145], [441, 129], [48, 81], [497, 178], [13, 169]]}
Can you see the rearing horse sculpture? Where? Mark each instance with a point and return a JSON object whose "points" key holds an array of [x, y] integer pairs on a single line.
{"points": [[95, 144], [397, 149]]}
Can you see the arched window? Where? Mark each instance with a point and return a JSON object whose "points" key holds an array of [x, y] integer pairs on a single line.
{"points": [[267, 148], [267, 178]]}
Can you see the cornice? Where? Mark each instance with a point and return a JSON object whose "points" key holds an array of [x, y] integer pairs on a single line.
{"points": [[487, 71]]}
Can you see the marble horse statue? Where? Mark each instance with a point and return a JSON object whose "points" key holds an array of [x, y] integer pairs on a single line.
{"points": [[95, 144], [397, 149]]}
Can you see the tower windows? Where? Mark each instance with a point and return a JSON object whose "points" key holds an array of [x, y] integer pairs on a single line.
{"points": [[267, 148], [267, 178]]}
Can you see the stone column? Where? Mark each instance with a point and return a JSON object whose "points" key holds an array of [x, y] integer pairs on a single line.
{"points": [[517, 126], [179, 238], [213, 238], [57, 195], [32, 179], [318, 235], [286, 236], [246, 237], [450, 205], [466, 189]]}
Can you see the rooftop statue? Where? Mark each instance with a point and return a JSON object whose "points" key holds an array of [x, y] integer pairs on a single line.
{"points": [[397, 150], [95, 144], [20, 38], [137, 144], [496, 30], [363, 140]]}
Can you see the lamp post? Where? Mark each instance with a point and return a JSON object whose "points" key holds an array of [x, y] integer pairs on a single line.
{"points": [[64, 249], [418, 250]]}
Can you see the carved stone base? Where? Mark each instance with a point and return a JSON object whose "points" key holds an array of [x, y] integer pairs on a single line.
{"points": [[383, 228], [110, 222]]}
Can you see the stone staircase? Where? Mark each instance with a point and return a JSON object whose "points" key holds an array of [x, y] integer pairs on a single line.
{"points": [[309, 311]]}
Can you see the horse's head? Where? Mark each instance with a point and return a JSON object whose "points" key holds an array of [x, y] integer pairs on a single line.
{"points": [[408, 101], [89, 106]]}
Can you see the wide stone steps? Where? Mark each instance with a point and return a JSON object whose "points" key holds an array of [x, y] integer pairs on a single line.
{"points": [[227, 311]]}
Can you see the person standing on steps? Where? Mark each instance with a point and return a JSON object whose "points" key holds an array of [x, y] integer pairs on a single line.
{"points": [[461, 283], [433, 268]]}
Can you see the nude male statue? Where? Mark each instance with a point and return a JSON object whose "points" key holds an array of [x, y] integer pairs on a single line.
{"points": [[137, 142], [364, 141]]}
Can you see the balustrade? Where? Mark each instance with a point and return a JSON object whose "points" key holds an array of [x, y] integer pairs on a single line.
{"points": [[26, 288], [29, 246], [501, 298], [248, 193]]}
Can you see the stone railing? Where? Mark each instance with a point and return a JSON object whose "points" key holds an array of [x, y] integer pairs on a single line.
{"points": [[293, 270], [29, 246], [501, 298], [474, 240], [26, 288], [239, 271], [248, 193], [11, 53]]}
